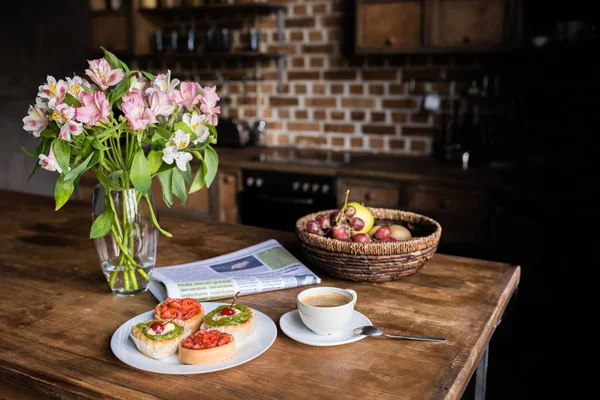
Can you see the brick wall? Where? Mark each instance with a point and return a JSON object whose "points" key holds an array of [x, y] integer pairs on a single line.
{"points": [[332, 99]]}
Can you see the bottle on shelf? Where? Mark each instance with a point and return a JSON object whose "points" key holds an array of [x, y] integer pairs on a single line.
{"points": [[253, 38]]}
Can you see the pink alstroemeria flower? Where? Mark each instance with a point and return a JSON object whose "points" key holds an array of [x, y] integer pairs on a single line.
{"points": [[101, 73], [133, 94], [137, 114], [161, 104], [95, 109], [53, 91], [49, 163], [188, 95], [210, 112], [36, 121], [210, 96]]}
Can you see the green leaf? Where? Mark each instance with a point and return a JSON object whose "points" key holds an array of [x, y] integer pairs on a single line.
{"points": [[88, 146], [86, 89], [164, 177], [62, 152], [155, 160], [140, 172], [103, 223], [97, 144], [187, 174], [124, 66], [106, 182], [118, 91], [113, 61], [178, 186], [212, 130], [198, 181], [71, 100], [163, 132], [156, 137], [41, 149], [28, 153], [184, 127], [107, 132], [211, 159], [49, 133], [115, 175], [63, 190], [81, 168], [148, 75]]}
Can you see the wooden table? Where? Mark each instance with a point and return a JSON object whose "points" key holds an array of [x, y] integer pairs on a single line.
{"points": [[58, 317]]}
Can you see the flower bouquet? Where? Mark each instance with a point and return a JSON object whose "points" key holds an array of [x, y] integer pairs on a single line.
{"points": [[126, 127]]}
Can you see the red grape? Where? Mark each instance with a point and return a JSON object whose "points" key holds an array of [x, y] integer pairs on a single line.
{"points": [[323, 221], [340, 232], [361, 238], [383, 233], [312, 226], [357, 224], [350, 211], [333, 217]]}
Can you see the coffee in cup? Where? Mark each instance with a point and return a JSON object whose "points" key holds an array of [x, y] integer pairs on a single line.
{"points": [[326, 310]]}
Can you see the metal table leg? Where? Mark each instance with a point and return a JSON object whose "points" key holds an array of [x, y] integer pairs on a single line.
{"points": [[481, 375]]}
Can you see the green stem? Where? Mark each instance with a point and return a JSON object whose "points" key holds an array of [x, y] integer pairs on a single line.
{"points": [[112, 206], [126, 280], [133, 279], [124, 251], [154, 220], [113, 277]]}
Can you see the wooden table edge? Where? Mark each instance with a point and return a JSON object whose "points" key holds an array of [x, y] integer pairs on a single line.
{"points": [[456, 390]]}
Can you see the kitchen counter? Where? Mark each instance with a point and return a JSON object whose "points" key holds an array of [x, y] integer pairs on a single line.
{"points": [[377, 166], [59, 317]]}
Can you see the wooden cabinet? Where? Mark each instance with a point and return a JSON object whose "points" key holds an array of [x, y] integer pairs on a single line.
{"points": [[390, 25], [229, 185], [371, 193], [415, 26], [463, 213]]}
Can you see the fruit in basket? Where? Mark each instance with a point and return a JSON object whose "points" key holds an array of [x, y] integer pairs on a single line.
{"points": [[383, 233], [364, 214], [357, 224], [399, 232], [323, 221], [361, 238], [312, 226], [340, 232]]}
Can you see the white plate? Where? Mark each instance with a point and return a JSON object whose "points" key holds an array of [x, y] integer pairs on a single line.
{"points": [[292, 325], [123, 347]]}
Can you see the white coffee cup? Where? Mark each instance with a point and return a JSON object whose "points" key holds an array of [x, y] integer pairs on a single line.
{"points": [[326, 320]]}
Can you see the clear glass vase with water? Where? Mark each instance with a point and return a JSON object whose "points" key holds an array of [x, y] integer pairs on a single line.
{"points": [[128, 252]]}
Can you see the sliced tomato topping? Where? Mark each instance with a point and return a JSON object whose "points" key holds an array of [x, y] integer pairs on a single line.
{"points": [[183, 309], [202, 339]]}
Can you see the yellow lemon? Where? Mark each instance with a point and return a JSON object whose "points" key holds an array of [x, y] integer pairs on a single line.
{"points": [[365, 214]]}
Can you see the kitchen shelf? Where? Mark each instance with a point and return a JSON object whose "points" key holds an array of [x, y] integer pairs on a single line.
{"points": [[211, 55], [262, 8]]}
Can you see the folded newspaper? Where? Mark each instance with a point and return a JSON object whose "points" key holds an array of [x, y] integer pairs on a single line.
{"points": [[260, 268]]}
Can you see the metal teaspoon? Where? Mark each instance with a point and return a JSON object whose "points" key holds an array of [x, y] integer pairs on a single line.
{"points": [[374, 331]]}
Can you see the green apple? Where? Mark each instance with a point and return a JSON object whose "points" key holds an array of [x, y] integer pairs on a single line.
{"points": [[365, 214]]}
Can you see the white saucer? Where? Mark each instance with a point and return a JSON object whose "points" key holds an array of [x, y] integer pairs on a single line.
{"points": [[292, 326]]}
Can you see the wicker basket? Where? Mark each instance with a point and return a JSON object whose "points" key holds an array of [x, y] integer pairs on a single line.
{"points": [[374, 262]]}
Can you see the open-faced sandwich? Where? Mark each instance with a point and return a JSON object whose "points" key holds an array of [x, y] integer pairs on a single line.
{"points": [[159, 339], [206, 347], [187, 310], [237, 320]]}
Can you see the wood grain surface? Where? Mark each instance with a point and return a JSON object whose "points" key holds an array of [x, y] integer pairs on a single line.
{"points": [[58, 317]]}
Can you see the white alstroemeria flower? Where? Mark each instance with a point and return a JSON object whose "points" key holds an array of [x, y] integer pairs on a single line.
{"points": [[49, 163], [41, 104], [74, 86], [137, 82], [181, 158], [63, 113], [54, 91], [196, 123], [36, 121], [180, 139], [163, 83]]}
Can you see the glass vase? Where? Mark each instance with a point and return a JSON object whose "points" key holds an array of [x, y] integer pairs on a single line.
{"points": [[128, 251]]}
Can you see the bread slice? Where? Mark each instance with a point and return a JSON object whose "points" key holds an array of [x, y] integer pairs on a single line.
{"points": [[207, 356], [239, 331], [194, 322], [158, 349]]}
